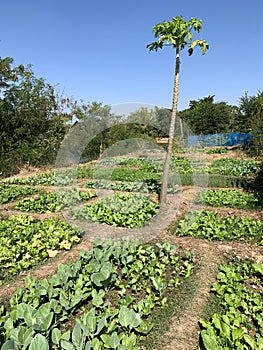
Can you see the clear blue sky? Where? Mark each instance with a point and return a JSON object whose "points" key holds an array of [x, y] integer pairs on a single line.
{"points": [[96, 50]]}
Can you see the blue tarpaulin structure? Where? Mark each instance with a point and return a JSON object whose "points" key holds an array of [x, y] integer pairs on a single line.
{"points": [[227, 139], [74, 120]]}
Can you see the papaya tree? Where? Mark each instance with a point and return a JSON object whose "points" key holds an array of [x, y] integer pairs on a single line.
{"points": [[178, 34]]}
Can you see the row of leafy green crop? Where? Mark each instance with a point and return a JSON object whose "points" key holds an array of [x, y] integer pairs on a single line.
{"points": [[233, 166], [11, 193], [26, 241], [151, 181], [128, 210], [51, 202], [105, 300], [137, 186], [238, 292], [209, 225], [181, 165], [58, 178], [214, 180], [141, 164], [123, 174], [224, 166], [149, 164], [128, 186], [42, 179], [68, 177], [124, 210], [184, 165], [219, 150], [231, 199], [146, 171]]}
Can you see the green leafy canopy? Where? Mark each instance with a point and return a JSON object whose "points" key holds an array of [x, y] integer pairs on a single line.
{"points": [[177, 33]]}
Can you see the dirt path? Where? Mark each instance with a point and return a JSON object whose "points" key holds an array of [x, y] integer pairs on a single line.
{"points": [[184, 331]]}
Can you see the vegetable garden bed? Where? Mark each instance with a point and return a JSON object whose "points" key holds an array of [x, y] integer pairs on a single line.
{"points": [[209, 225], [104, 300], [51, 202], [239, 297], [26, 241], [231, 199], [122, 210], [113, 296], [11, 193]]}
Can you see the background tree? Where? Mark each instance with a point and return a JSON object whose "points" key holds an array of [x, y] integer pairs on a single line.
{"points": [[248, 108], [205, 116], [116, 128], [256, 125], [8, 74], [143, 115], [100, 114], [248, 118], [154, 122], [162, 119], [30, 125], [178, 34]]}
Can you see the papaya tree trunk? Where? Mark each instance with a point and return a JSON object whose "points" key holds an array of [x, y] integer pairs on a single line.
{"points": [[163, 194]]}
